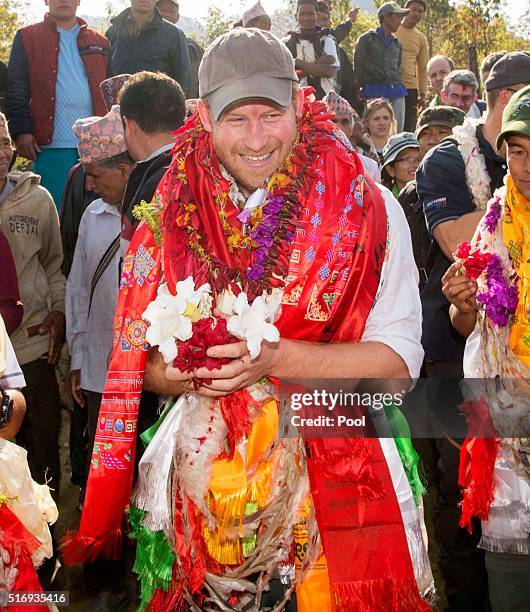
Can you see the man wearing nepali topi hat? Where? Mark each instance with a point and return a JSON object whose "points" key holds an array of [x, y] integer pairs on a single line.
{"points": [[92, 287]]}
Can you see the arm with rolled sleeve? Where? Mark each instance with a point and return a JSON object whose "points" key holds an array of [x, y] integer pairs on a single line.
{"points": [[51, 255], [77, 302], [395, 319]]}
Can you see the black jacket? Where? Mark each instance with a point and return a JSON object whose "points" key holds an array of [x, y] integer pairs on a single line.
{"points": [[374, 62], [160, 46], [141, 186], [3, 86], [76, 200]]}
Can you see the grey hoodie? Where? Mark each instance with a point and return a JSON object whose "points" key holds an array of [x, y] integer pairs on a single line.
{"points": [[28, 219]]}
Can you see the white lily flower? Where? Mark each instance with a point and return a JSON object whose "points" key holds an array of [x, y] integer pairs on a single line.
{"points": [[185, 291], [226, 302], [167, 316], [253, 322]]}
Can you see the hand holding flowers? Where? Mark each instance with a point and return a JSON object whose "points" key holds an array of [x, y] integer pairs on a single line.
{"points": [[202, 341]]}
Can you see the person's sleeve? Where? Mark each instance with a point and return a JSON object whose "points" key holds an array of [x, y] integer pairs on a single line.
{"points": [[421, 67], [11, 309], [359, 60], [18, 91], [181, 62], [371, 168], [330, 48], [442, 187], [342, 31], [51, 254], [395, 319], [12, 376], [77, 302]]}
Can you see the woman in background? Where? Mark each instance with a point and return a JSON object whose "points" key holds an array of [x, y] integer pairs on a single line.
{"points": [[401, 158], [379, 124]]}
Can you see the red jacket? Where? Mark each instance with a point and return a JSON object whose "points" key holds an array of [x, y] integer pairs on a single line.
{"points": [[32, 76]]}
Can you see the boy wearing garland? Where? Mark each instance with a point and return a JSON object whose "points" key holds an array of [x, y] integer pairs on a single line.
{"points": [[488, 289], [265, 244], [453, 209]]}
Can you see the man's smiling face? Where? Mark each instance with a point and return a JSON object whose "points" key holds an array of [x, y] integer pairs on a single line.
{"points": [[252, 139]]}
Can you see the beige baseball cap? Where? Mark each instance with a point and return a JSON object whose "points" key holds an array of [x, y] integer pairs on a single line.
{"points": [[246, 63]]}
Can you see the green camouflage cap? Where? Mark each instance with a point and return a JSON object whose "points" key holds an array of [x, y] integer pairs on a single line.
{"points": [[516, 116], [439, 115]]}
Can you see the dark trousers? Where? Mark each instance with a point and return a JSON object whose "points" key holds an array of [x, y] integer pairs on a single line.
{"points": [[78, 445], [461, 563], [39, 433], [93, 401], [411, 110], [509, 582]]}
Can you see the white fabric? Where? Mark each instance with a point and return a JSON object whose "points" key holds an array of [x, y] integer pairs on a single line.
{"points": [[30, 502], [152, 494], [89, 335], [306, 53], [371, 167], [395, 319], [11, 377]]}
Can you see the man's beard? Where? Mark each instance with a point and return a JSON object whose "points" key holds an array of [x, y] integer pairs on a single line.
{"points": [[247, 180]]}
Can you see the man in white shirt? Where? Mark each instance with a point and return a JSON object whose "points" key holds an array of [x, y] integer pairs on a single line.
{"points": [[92, 286]]}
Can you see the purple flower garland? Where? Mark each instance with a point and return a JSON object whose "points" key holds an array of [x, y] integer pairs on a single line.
{"points": [[501, 298], [263, 235], [492, 217]]}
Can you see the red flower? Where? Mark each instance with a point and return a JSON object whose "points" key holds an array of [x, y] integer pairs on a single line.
{"points": [[463, 250], [474, 262], [192, 353]]}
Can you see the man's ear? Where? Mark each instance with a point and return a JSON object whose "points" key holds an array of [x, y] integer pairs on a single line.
{"points": [[205, 115], [505, 96], [125, 170], [443, 96], [300, 98]]}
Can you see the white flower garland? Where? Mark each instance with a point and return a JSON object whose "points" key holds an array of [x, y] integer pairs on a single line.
{"points": [[477, 178]]}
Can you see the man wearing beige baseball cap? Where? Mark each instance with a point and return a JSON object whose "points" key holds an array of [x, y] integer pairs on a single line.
{"points": [[267, 211]]}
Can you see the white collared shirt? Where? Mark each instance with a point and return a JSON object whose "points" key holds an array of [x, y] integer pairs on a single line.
{"points": [[89, 334]]}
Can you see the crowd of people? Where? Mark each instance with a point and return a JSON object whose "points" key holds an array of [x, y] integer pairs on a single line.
{"points": [[189, 230]]}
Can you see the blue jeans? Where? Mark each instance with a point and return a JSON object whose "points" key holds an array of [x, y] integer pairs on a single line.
{"points": [[53, 165]]}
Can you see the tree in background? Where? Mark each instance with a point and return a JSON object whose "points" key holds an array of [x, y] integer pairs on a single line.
{"points": [[9, 24], [364, 22], [474, 29], [217, 23]]}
